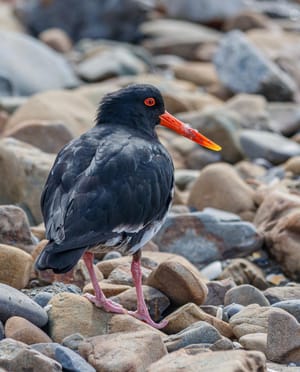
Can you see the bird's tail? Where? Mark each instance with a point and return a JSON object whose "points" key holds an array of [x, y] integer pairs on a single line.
{"points": [[59, 261]]}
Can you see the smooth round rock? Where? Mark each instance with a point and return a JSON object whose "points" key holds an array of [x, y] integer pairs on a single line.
{"points": [[15, 303], [245, 295], [22, 330], [291, 306], [43, 298]]}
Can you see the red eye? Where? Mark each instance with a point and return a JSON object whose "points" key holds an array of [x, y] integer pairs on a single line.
{"points": [[149, 101]]}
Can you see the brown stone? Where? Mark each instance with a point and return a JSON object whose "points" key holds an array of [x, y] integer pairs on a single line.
{"points": [[39, 231], [15, 266], [21, 329], [15, 229], [17, 356], [35, 132], [57, 39], [109, 289], [254, 341], [70, 313], [66, 106], [155, 300], [283, 342], [107, 266], [190, 286], [219, 186], [293, 165], [189, 314], [217, 290], [278, 219], [199, 73], [243, 271], [194, 359], [24, 170], [277, 294], [252, 319], [248, 20], [135, 351], [122, 275]]}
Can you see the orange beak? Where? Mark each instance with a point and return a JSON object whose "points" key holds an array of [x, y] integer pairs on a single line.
{"points": [[169, 121]]}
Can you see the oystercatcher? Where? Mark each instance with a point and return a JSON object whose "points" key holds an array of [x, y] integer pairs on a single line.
{"points": [[111, 188]]}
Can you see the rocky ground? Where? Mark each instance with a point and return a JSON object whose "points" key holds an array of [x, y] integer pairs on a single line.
{"points": [[224, 270]]}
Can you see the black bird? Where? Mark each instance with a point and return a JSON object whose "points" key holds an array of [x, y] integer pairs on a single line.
{"points": [[111, 188]]}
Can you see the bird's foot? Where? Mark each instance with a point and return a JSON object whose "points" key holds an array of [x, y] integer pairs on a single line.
{"points": [[144, 316], [106, 304]]}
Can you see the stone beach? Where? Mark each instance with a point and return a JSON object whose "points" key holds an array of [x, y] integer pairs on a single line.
{"points": [[224, 269]]}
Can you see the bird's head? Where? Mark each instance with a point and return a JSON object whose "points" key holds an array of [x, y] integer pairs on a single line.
{"points": [[142, 106]]}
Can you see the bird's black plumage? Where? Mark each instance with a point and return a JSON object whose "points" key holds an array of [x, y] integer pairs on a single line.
{"points": [[112, 186]]}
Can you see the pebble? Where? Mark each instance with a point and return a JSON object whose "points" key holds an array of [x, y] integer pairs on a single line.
{"points": [[250, 71], [49, 70], [136, 351], [242, 271], [155, 300], [15, 266], [217, 291], [231, 310], [15, 228], [271, 146], [254, 341], [122, 275], [70, 313], [222, 188], [15, 303], [16, 356], [190, 286], [22, 330], [1, 331], [189, 314], [213, 270], [283, 343], [42, 298], [22, 166], [252, 319], [203, 237], [194, 359], [109, 289], [277, 294], [245, 294], [199, 332], [291, 306], [69, 360]]}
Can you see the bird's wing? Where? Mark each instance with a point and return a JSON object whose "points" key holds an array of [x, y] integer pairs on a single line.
{"points": [[120, 186]]}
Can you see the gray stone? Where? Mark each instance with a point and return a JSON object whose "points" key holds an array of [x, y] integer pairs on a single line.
{"points": [[245, 295], [217, 291], [291, 306], [73, 341], [169, 36], [69, 360], [15, 303], [243, 68], [271, 146], [203, 11], [93, 19], [117, 61], [231, 310], [202, 237], [43, 298], [21, 74], [198, 333], [18, 357], [221, 125], [1, 331], [285, 117]]}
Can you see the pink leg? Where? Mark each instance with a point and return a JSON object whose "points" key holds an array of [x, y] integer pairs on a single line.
{"points": [[142, 312], [99, 299]]}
